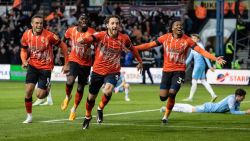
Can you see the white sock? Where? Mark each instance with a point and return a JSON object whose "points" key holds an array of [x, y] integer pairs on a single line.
{"points": [[193, 89], [186, 108], [49, 98], [208, 87], [29, 115], [67, 97], [73, 109], [126, 92], [164, 117]]}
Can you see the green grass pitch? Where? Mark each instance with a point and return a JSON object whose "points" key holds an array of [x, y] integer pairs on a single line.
{"points": [[137, 120]]}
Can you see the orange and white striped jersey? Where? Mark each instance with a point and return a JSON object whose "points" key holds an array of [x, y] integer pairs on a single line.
{"points": [[175, 51], [40, 48], [78, 51], [108, 52]]}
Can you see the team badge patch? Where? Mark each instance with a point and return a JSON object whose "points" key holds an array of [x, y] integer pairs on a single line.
{"points": [[42, 40]]}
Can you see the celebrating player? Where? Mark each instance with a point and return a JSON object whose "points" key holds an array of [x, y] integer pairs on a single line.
{"points": [[80, 63], [37, 57], [106, 68], [176, 45]]}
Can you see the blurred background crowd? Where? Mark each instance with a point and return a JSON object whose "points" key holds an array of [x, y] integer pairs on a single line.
{"points": [[142, 20]]}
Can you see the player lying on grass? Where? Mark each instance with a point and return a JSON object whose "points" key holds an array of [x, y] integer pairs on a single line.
{"points": [[230, 104]]}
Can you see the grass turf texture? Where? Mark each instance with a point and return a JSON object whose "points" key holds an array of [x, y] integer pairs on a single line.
{"points": [[119, 123]]}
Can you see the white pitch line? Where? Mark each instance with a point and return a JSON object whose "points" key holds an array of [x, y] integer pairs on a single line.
{"points": [[105, 115], [155, 125], [245, 102]]}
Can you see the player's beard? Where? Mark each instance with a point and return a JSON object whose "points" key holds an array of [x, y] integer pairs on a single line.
{"points": [[113, 32], [38, 30], [84, 28]]}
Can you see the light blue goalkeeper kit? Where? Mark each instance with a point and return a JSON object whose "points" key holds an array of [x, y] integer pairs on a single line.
{"points": [[228, 104], [199, 63]]}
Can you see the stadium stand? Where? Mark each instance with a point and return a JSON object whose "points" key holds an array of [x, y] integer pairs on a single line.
{"points": [[141, 25]]}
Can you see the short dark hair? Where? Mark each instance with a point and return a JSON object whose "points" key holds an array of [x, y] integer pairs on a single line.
{"points": [[240, 92], [36, 16], [84, 16], [106, 21]]}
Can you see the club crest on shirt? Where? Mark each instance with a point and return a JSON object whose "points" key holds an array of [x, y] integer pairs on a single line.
{"points": [[42, 40], [86, 34]]}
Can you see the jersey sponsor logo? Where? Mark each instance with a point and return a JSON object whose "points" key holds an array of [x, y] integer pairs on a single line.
{"points": [[79, 49], [111, 55], [40, 54], [176, 54]]}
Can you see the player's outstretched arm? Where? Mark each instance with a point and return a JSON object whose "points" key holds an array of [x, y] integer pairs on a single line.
{"points": [[139, 67], [220, 60], [146, 46], [190, 57], [138, 58], [210, 56]]}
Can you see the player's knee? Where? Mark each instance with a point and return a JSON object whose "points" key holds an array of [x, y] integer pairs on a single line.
{"points": [[174, 90], [163, 98], [29, 93], [91, 100], [194, 82], [80, 90], [172, 95], [42, 95], [107, 90], [203, 81], [70, 81]]}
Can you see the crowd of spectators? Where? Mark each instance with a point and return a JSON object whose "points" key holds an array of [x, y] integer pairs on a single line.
{"points": [[139, 26]]}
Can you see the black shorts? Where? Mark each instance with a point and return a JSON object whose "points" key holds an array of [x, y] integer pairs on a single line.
{"points": [[172, 80], [81, 71], [35, 75], [98, 80]]}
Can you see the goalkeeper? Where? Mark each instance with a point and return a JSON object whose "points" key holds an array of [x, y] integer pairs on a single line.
{"points": [[230, 104]]}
